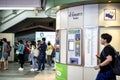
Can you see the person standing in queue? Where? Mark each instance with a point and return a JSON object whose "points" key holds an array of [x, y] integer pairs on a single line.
{"points": [[42, 55], [5, 53], [21, 59], [49, 51]]}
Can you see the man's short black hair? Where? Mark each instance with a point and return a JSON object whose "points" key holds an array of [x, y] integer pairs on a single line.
{"points": [[43, 39], [4, 39], [39, 41], [107, 37]]}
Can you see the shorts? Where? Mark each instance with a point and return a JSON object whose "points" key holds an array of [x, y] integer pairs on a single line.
{"points": [[5, 55]]}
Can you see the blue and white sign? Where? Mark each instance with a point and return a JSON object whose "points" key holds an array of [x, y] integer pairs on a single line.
{"points": [[110, 14], [50, 36]]}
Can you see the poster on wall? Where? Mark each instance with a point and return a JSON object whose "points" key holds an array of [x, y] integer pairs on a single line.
{"points": [[57, 57], [91, 49], [110, 14], [50, 36], [74, 47]]}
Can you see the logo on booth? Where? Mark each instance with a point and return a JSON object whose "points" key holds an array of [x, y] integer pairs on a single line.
{"points": [[58, 73], [75, 15]]}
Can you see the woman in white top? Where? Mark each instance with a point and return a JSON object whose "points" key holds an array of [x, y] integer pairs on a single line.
{"points": [[34, 55]]}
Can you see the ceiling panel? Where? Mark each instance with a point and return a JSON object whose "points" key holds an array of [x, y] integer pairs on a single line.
{"points": [[32, 25]]}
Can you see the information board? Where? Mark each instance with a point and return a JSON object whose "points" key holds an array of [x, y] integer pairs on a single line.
{"points": [[74, 47], [91, 49]]}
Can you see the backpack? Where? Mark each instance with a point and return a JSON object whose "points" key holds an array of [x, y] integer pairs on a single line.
{"points": [[116, 68], [8, 48]]}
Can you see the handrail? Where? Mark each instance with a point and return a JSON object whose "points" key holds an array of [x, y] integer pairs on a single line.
{"points": [[5, 21]]}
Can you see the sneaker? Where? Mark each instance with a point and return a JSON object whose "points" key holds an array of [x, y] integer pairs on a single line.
{"points": [[5, 68], [32, 69], [20, 69], [35, 69]]}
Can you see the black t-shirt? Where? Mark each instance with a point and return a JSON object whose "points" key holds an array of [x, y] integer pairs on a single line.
{"points": [[108, 50]]}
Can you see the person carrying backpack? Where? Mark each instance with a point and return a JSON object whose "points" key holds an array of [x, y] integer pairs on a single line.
{"points": [[5, 53], [107, 59]]}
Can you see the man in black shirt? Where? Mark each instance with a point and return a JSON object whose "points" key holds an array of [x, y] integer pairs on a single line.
{"points": [[106, 59]]}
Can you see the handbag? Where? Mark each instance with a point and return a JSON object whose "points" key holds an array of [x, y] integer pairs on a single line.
{"points": [[116, 67], [36, 52], [49, 52], [17, 52]]}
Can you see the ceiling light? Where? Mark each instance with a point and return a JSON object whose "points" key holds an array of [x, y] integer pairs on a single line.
{"points": [[58, 7], [109, 1]]}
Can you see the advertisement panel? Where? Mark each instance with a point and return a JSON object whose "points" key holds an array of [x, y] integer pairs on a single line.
{"points": [[50, 36], [61, 72], [74, 47], [91, 46], [57, 58]]}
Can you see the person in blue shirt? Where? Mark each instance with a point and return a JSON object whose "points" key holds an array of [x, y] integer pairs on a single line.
{"points": [[42, 55], [21, 59]]}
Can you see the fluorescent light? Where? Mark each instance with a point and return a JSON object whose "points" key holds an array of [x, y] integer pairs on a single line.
{"points": [[17, 8], [58, 7], [109, 1]]}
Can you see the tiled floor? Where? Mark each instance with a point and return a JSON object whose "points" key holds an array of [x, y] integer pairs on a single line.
{"points": [[14, 74]]}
